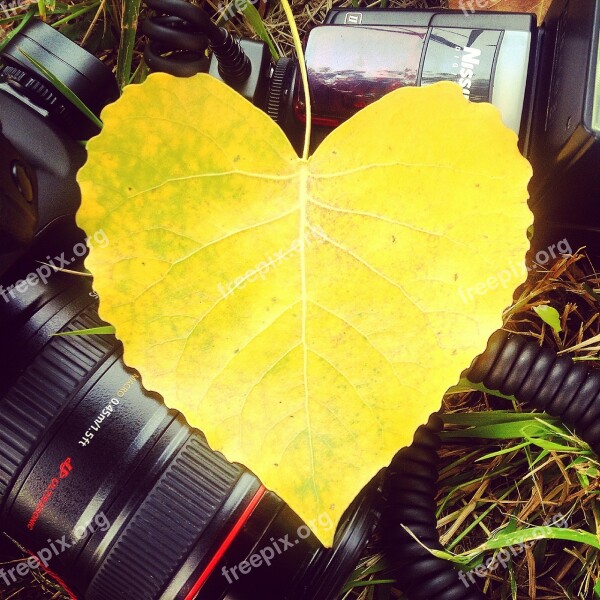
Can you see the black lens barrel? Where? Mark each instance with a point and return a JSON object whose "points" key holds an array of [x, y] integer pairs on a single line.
{"points": [[71, 400], [80, 438]]}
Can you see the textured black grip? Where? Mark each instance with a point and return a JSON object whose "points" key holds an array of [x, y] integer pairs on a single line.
{"points": [[46, 385], [41, 95], [167, 524]]}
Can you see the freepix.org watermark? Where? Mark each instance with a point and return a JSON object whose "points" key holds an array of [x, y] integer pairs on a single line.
{"points": [[503, 277], [266, 555], [46, 269], [504, 556], [10, 8], [470, 6], [41, 559], [262, 269], [236, 6]]}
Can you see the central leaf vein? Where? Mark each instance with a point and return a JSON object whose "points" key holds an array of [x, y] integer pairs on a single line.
{"points": [[303, 197]]}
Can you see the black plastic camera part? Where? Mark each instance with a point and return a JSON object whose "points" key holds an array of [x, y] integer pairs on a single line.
{"points": [[409, 524], [566, 128], [18, 200], [536, 376], [181, 33], [36, 156], [486, 54], [40, 128], [39, 48], [80, 437], [179, 36]]}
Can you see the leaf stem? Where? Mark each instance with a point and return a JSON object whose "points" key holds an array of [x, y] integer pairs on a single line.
{"points": [[300, 55]]}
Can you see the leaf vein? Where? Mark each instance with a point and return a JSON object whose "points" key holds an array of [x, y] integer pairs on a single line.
{"points": [[252, 338], [360, 396], [371, 268], [362, 168], [361, 213]]}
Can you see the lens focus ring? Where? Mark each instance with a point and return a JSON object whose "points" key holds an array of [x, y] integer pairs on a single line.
{"points": [[167, 524]]}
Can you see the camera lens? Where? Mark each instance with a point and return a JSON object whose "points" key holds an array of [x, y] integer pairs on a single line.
{"points": [[114, 493]]}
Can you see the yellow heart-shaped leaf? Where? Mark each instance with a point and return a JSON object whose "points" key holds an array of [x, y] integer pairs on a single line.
{"points": [[307, 315]]}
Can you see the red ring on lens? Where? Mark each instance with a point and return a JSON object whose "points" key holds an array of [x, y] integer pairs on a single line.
{"points": [[208, 571]]}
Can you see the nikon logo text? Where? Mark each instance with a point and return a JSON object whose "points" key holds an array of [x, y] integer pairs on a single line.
{"points": [[470, 60]]}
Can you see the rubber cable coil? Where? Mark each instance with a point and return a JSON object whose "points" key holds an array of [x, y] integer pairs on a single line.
{"points": [[515, 366]]}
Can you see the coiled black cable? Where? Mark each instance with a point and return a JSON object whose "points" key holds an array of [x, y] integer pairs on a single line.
{"points": [[514, 366], [180, 34], [555, 384], [411, 491]]}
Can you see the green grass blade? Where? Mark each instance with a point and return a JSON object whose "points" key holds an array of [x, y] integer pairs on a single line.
{"points": [[495, 417], [75, 14], [546, 444], [64, 90], [254, 19], [544, 532], [500, 431], [464, 385], [131, 11], [514, 539], [28, 16], [105, 330], [503, 451]]}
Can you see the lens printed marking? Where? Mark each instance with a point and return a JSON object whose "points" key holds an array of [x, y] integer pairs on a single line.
{"points": [[65, 469]]}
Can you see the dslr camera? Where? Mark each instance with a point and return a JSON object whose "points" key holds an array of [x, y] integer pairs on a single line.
{"points": [[112, 493]]}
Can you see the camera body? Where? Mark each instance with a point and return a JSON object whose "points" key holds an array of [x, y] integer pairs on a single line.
{"points": [[564, 146], [40, 129]]}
